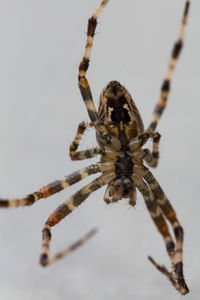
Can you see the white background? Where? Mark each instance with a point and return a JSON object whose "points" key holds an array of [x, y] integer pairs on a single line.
{"points": [[41, 45]]}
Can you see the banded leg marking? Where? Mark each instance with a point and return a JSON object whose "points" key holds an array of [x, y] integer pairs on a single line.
{"points": [[170, 214], [85, 154], [176, 279], [155, 213], [152, 157], [165, 88], [136, 143], [172, 278], [47, 234], [80, 155], [62, 211], [52, 188], [83, 83]]}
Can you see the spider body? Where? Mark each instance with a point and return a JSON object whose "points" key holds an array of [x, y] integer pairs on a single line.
{"points": [[123, 161], [119, 114]]}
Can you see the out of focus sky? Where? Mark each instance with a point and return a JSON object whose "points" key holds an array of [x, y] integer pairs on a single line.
{"points": [[42, 43]]}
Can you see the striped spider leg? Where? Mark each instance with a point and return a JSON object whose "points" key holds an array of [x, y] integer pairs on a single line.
{"points": [[67, 207], [164, 203], [62, 211], [160, 208], [52, 188], [165, 88], [85, 154], [82, 80]]}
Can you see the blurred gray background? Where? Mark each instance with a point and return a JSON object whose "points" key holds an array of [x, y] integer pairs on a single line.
{"points": [[42, 43]]}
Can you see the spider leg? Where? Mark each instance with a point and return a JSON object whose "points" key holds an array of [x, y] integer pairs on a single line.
{"points": [[112, 194], [152, 158], [80, 155], [72, 247], [85, 154], [137, 143], [52, 188], [133, 197], [155, 211], [62, 211], [170, 214], [165, 89], [82, 80], [170, 276], [103, 136]]}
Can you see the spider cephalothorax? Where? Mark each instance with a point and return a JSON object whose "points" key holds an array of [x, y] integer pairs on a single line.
{"points": [[116, 105], [121, 138]]}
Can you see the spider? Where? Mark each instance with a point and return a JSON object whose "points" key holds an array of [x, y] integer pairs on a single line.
{"points": [[121, 138]]}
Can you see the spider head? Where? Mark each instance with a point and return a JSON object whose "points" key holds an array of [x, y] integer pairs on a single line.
{"points": [[117, 106]]}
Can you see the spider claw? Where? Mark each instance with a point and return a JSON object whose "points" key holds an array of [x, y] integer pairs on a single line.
{"points": [[177, 281]]}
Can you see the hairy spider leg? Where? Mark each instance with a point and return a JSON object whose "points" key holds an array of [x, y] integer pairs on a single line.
{"points": [[156, 213], [85, 154], [102, 128], [65, 209], [170, 214], [169, 275], [152, 157], [52, 188], [82, 80], [165, 88], [72, 247], [138, 142]]}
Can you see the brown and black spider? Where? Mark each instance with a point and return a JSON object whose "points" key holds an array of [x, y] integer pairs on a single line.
{"points": [[121, 136]]}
